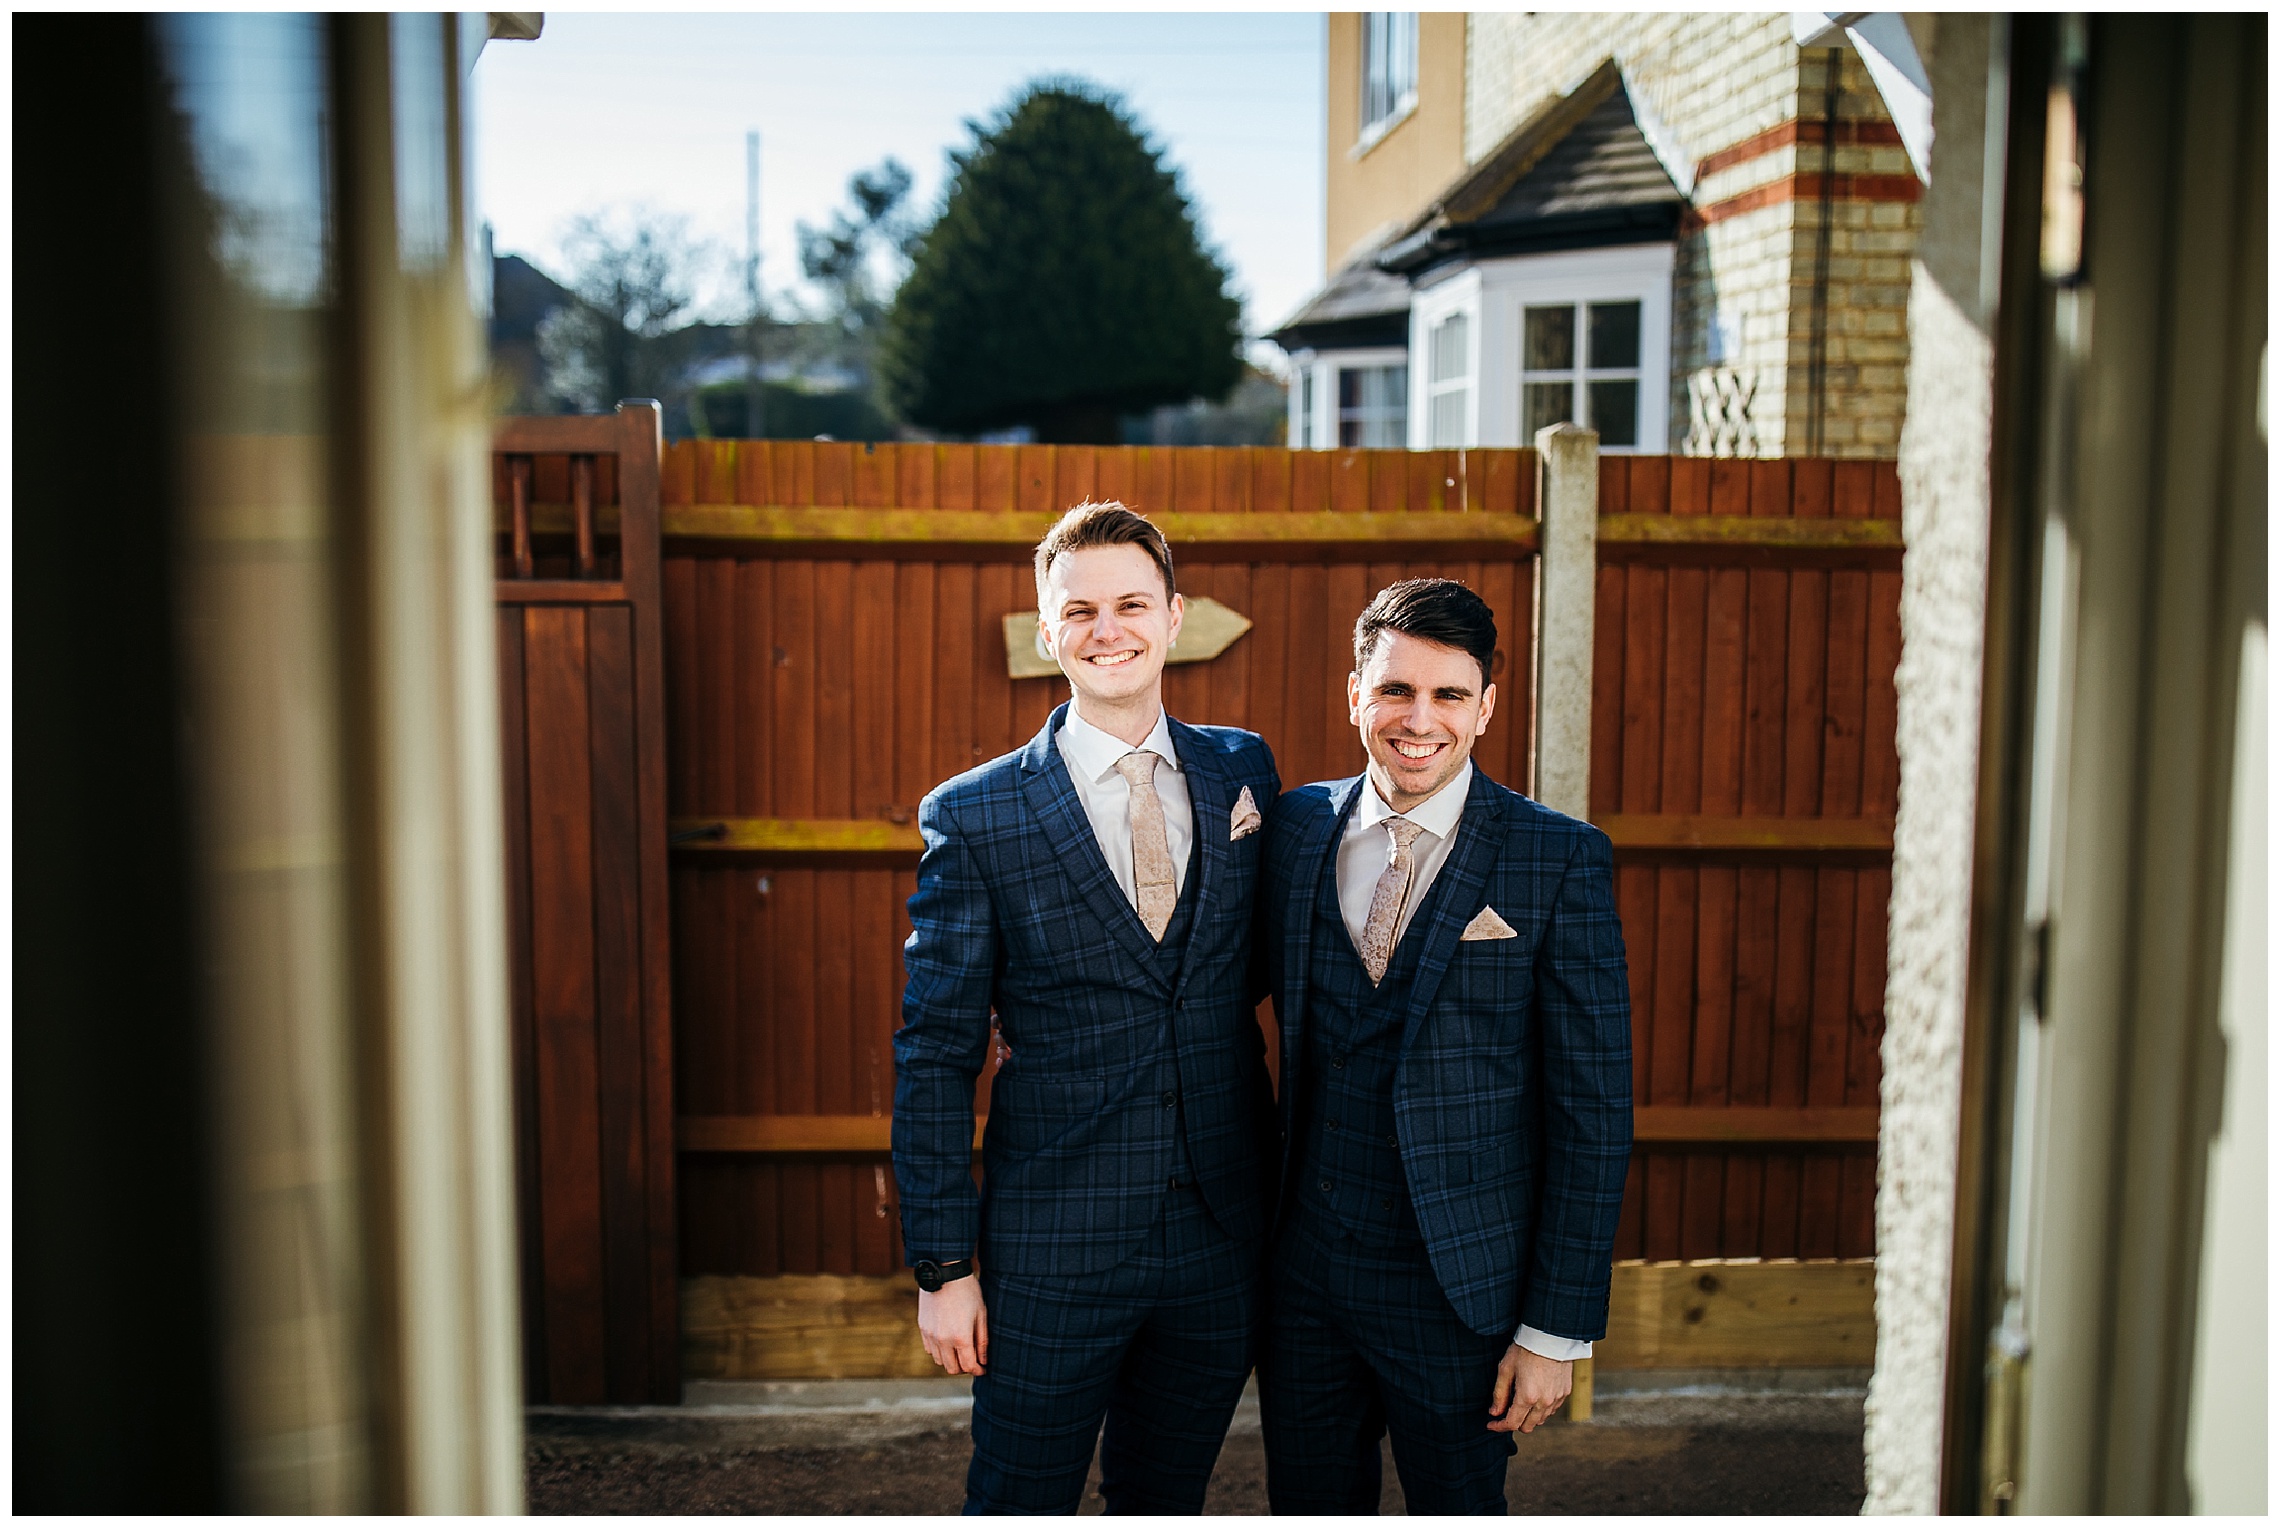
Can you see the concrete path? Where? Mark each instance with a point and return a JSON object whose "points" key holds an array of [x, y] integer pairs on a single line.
{"points": [[1792, 1444]]}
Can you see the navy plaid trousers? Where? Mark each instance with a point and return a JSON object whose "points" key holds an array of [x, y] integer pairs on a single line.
{"points": [[1360, 1341], [1158, 1347]]}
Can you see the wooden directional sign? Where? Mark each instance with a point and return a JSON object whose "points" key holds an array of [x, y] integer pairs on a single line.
{"points": [[1208, 630]]}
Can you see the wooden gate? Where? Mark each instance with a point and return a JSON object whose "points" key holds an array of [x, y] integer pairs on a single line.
{"points": [[581, 685]]}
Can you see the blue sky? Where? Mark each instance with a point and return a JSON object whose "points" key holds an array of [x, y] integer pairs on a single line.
{"points": [[618, 110]]}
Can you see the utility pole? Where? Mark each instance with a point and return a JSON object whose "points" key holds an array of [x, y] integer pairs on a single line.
{"points": [[755, 424]]}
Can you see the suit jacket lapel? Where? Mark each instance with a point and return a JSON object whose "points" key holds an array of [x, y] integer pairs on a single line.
{"points": [[1457, 894], [1211, 798], [1314, 851], [1052, 795]]}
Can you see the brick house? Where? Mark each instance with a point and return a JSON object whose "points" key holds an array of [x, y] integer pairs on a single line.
{"points": [[1691, 231]]}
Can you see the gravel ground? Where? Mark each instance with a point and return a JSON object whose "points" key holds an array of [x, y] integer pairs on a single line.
{"points": [[905, 1452]]}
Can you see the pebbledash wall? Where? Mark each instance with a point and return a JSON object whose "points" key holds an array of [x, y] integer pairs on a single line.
{"points": [[1738, 112]]}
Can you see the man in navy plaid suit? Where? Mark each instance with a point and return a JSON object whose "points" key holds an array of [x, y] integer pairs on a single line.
{"points": [[1095, 890], [1456, 1087]]}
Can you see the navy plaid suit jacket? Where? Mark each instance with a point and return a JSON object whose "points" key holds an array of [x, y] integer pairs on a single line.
{"points": [[1512, 1097], [1017, 911]]}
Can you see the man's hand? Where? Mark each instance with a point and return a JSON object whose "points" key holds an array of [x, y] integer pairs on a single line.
{"points": [[1529, 1388], [954, 1326]]}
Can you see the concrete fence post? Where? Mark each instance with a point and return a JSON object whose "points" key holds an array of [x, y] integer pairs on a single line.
{"points": [[1567, 574]]}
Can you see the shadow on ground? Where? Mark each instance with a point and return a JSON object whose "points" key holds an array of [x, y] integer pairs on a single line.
{"points": [[1656, 1453]]}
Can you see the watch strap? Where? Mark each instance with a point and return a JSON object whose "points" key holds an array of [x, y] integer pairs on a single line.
{"points": [[942, 1273]]}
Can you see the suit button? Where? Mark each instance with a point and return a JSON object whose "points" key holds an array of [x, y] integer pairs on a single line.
{"points": [[1333, 1124], [1338, 1062], [1393, 1140], [1171, 1100], [1326, 1185], [1388, 1203]]}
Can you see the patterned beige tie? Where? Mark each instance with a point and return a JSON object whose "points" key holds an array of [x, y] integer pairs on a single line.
{"points": [[1385, 902], [1154, 891]]}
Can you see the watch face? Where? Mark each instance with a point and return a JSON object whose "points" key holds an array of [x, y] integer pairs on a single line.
{"points": [[929, 1275]]}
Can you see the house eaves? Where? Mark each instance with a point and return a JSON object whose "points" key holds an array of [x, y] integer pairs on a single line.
{"points": [[1359, 306], [1578, 174]]}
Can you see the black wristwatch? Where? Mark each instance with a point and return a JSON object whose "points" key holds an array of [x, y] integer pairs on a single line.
{"points": [[932, 1276]]}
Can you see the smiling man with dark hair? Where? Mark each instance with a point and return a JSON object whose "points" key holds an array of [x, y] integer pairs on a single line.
{"points": [[1449, 978]]}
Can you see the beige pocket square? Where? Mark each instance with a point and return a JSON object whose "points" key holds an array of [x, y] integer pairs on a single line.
{"points": [[1244, 820], [1488, 926]]}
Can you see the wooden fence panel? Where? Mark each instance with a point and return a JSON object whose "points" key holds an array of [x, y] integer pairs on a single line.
{"points": [[1760, 690]]}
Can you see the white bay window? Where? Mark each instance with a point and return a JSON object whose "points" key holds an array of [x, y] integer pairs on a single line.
{"points": [[1509, 345]]}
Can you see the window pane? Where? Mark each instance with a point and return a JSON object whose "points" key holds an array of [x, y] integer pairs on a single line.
{"points": [[1306, 426], [1548, 403], [1389, 63], [1373, 49], [1452, 349], [1615, 412], [1373, 406], [1365, 389], [1614, 336], [1551, 339], [1448, 419]]}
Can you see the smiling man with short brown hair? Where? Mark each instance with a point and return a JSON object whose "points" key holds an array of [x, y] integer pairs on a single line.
{"points": [[1094, 890]]}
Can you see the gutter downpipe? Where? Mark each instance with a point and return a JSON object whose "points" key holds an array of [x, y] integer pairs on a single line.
{"points": [[1817, 356]]}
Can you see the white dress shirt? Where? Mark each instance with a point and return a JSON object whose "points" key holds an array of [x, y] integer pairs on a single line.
{"points": [[1367, 847], [1362, 857], [1091, 755]]}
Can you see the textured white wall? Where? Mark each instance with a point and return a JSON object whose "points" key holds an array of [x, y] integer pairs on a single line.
{"points": [[1944, 511]]}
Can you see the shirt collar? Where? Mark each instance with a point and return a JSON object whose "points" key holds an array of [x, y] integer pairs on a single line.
{"points": [[1437, 814], [1095, 752]]}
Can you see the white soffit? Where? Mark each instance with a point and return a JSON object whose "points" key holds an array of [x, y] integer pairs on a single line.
{"points": [[1882, 41]]}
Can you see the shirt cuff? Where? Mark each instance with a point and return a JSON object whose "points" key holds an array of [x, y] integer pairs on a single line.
{"points": [[1545, 1345]]}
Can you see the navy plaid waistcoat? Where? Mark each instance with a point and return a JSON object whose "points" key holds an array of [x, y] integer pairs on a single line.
{"points": [[1132, 1062], [1171, 954], [1512, 1080], [1349, 1162]]}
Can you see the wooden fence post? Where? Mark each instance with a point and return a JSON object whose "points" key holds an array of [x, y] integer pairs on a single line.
{"points": [[1567, 571]]}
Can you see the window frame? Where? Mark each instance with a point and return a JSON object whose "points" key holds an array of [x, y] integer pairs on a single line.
{"points": [[1498, 291], [1580, 376], [1460, 385], [1401, 95], [1459, 296], [1321, 368], [1335, 405]]}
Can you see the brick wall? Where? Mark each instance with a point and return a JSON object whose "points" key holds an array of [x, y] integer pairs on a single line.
{"points": [[1732, 99]]}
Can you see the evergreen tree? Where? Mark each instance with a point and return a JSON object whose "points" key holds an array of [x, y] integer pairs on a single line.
{"points": [[1063, 285]]}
